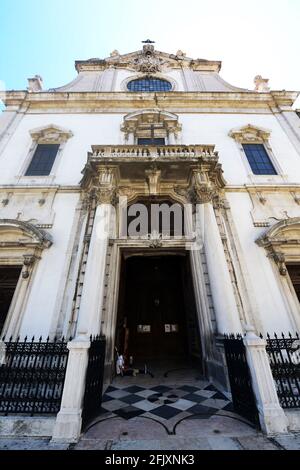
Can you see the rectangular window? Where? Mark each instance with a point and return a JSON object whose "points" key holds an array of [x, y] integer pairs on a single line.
{"points": [[259, 160], [42, 160], [149, 141]]}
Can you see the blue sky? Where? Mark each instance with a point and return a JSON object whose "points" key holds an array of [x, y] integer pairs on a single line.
{"points": [[45, 37]]}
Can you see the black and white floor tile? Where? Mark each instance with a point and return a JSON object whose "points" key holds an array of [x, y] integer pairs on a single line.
{"points": [[164, 402]]}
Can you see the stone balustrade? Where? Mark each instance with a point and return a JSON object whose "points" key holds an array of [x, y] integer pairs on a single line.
{"points": [[169, 151]]}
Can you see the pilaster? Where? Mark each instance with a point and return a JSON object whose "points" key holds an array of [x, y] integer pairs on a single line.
{"points": [[69, 419], [227, 314], [271, 415]]}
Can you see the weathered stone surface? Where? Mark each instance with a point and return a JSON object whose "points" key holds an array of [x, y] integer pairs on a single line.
{"points": [[18, 426], [257, 443], [289, 441]]}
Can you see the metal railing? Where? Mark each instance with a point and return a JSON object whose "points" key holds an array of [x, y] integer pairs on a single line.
{"points": [[284, 356], [94, 380], [243, 398], [32, 375], [172, 151]]}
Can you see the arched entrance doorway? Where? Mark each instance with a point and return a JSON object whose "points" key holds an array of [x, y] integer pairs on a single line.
{"points": [[157, 320]]}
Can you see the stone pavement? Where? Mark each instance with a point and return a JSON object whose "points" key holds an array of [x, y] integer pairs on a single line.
{"points": [[174, 410], [254, 441], [140, 433]]}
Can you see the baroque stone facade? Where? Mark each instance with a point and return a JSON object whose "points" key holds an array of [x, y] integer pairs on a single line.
{"points": [[187, 146]]}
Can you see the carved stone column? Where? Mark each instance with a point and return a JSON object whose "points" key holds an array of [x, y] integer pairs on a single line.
{"points": [[205, 190], [90, 309]]}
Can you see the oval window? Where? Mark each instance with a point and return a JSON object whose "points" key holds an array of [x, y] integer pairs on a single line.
{"points": [[149, 84]]}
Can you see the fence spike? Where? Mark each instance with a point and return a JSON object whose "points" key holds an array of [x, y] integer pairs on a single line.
{"points": [[40, 339], [32, 339], [48, 339], [10, 339]]}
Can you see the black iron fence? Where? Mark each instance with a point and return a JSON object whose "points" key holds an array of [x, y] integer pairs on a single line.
{"points": [[243, 398], [32, 375], [94, 380], [284, 356]]}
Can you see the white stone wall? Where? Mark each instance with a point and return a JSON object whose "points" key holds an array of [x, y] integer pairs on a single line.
{"points": [[48, 283], [97, 129], [264, 279]]}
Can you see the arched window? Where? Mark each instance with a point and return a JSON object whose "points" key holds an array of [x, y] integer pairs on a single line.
{"points": [[149, 84]]}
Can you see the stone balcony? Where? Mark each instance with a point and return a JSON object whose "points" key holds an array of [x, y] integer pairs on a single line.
{"points": [[168, 165], [153, 152]]}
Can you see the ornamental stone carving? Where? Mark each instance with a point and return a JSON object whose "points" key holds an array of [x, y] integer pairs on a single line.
{"points": [[206, 182], [147, 61], [153, 176], [50, 134], [282, 242], [191, 173], [279, 259], [146, 122], [261, 84], [250, 134], [202, 194], [107, 195], [100, 185], [28, 263]]}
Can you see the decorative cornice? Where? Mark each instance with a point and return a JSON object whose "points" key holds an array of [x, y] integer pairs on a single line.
{"points": [[77, 102]]}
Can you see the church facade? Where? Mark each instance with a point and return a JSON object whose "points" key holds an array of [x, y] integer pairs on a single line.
{"points": [[150, 193]]}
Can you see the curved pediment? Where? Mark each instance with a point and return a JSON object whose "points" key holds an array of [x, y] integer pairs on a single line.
{"points": [[285, 232], [17, 233], [282, 242]]}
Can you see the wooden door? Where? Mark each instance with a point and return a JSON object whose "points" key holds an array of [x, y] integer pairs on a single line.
{"points": [[154, 307]]}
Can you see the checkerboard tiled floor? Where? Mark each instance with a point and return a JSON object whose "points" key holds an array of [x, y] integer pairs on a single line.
{"points": [[164, 402]]}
